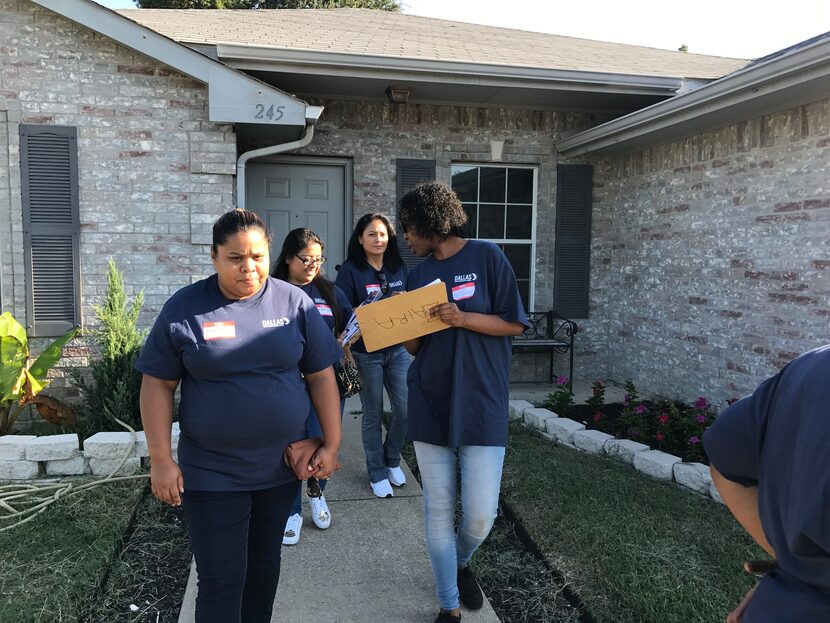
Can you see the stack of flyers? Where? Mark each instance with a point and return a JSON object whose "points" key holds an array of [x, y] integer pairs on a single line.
{"points": [[352, 331]]}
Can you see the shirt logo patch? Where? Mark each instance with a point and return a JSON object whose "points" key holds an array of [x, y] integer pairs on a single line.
{"points": [[324, 309], [372, 288], [465, 278], [395, 284], [225, 330], [278, 322], [464, 291]]}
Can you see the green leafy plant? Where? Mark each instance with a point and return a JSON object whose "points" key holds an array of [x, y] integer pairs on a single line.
{"points": [[596, 403], [562, 399], [112, 392], [22, 382]]}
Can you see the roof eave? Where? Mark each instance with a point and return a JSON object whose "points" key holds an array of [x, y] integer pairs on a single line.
{"points": [[790, 80]]}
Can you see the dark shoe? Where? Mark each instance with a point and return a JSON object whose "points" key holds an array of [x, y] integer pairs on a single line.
{"points": [[469, 590], [446, 617]]}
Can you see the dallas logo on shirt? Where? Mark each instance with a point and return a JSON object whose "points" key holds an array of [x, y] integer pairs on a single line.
{"points": [[466, 288], [278, 322]]}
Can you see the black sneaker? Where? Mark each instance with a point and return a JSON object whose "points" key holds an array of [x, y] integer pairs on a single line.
{"points": [[447, 617], [469, 590]]}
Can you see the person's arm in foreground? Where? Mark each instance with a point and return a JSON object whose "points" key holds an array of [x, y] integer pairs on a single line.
{"points": [[325, 397], [742, 502], [488, 324], [156, 401]]}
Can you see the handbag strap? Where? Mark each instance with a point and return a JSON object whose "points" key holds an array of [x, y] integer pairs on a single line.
{"points": [[347, 353]]}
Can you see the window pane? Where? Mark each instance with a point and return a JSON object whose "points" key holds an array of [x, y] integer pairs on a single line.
{"points": [[524, 293], [520, 186], [519, 221], [490, 221], [492, 185], [519, 257], [472, 221], [465, 182]]}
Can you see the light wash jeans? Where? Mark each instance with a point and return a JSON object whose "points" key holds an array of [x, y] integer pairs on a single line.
{"points": [[381, 370], [480, 468]]}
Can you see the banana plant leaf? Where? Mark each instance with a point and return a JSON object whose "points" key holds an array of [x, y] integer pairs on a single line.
{"points": [[14, 353], [50, 356]]}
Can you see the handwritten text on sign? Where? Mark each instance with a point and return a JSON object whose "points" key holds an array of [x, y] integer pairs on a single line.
{"points": [[400, 318]]}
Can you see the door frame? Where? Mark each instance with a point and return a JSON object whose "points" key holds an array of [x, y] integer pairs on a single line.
{"points": [[348, 183]]}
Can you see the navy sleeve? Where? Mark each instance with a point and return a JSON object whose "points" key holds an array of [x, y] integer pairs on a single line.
{"points": [[507, 303], [345, 281], [734, 441], [159, 357], [321, 348]]}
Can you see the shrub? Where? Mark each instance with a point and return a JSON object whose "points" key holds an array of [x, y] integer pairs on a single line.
{"points": [[112, 393], [561, 400]]}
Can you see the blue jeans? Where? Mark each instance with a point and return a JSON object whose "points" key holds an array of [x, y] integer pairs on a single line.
{"points": [[313, 429], [449, 549], [237, 551], [379, 370]]}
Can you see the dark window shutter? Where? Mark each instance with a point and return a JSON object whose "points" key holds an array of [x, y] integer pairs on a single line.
{"points": [[573, 240], [410, 173], [51, 227]]}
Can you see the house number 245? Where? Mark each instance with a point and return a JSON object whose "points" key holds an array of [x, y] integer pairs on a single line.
{"points": [[272, 113]]}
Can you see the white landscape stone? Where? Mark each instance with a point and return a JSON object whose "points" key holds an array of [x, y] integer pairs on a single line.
{"points": [[53, 448], [68, 467], [103, 467], [536, 417], [656, 464], [110, 445], [174, 436], [18, 470], [517, 409], [624, 449], [563, 429], [693, 475], [141, 450], [714, 493], [592, 441], [13, 447]]}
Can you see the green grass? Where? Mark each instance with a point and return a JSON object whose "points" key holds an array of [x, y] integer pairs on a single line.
{"points": [[634, 549], [52, 566]]}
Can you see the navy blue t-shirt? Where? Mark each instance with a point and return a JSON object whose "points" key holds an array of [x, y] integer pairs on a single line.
{"points": [[243, 399], [779, 439], [324, 308], [360, 283], [459, 381]]}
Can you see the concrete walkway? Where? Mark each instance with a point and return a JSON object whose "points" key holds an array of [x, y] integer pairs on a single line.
{"points": [[370, 566]]}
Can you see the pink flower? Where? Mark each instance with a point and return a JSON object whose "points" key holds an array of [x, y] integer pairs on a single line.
{"points": [[700, 418], [561, 380], [660, 437], [694, 440], [597, 416], [640, 409], [664, 419], [701, 403]]}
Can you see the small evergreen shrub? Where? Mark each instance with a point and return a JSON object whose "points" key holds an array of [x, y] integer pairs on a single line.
{"points": [[113, 388]]}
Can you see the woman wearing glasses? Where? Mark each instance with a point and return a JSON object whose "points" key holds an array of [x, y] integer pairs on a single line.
{"points": [[374, 264], [300, 263]]}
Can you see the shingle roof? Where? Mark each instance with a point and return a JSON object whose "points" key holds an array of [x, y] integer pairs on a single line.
{"points": [[364, 31]]}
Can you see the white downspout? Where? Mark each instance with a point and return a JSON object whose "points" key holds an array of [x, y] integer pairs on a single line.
{"points": [[241, 163]]}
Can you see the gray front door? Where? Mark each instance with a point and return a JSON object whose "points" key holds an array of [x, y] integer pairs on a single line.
{"points": [[287, 196]]}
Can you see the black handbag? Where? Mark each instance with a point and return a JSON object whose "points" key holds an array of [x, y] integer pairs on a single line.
{"points": [[348, 376]]}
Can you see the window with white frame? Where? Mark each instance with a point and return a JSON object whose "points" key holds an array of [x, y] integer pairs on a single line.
{"points": [[500, 202]]}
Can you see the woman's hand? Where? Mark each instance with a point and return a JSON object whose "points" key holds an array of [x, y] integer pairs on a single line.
{"points": [[166, 481], [324, 462], [449, 314]]}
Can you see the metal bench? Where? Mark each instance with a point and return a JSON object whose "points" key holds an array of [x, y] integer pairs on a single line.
{"points": [[548, 331]]}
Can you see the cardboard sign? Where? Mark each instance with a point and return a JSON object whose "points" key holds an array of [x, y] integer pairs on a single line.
{"points": [[399, 318]]}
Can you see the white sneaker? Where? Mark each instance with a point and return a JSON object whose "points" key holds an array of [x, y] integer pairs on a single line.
{"points": [[320, 514], [382, 489], [292, 530], [396, 476]]}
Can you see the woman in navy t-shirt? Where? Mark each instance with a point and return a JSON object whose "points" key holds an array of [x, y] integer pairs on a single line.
{"points": [[300, 263], [374, 265], [248, 351], [458, 386]]}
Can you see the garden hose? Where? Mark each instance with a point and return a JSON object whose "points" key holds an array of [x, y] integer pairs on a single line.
{"points": [[32, 499]]}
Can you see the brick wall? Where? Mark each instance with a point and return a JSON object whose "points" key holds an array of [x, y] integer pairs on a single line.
{"points": [[154, 173], [710, 263]]}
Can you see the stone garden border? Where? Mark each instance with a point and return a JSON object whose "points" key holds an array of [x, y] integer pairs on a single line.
{"points": [[654, 463], [26, 457]]}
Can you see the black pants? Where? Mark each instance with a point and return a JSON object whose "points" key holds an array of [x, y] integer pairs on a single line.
{"points": [[236, 538]]}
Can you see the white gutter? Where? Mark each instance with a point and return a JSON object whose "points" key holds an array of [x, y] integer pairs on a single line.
{"points": [[287, 60], [242, 162], [777, 80]]}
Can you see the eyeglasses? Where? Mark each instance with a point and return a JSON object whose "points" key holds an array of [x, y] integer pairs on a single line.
{"points": [[384, 284], [310, 261]]}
